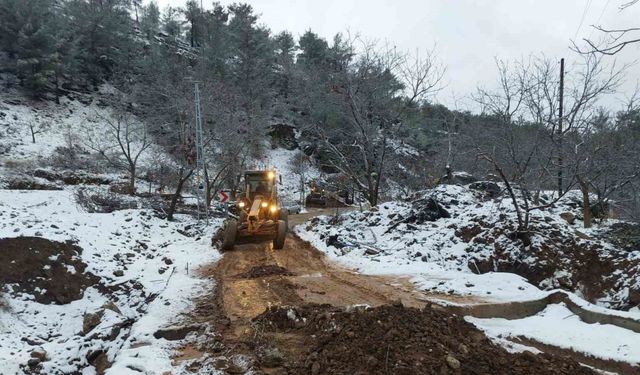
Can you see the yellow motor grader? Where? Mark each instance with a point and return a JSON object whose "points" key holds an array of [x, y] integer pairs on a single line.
{"points": [[257, 212]]}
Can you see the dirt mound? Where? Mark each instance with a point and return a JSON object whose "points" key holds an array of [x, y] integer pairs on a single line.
{"points": [[50, 271], [397, 340], [264, 271]]}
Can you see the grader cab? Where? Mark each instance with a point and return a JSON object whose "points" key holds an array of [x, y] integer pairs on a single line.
{"points": [[257, 213]]}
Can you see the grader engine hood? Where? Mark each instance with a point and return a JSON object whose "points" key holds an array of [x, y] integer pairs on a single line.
{"points": [[254, 215], [254, 211]]}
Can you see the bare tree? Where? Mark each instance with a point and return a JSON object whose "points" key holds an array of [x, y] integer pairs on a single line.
{"points": [[525, 105], [513, 145], [38, 127], [123, 141], [371, 96], [607, 163], [615, 40]]}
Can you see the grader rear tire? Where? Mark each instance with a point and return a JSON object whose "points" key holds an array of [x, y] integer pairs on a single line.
{"points": [[278, 242], [230, 231]]}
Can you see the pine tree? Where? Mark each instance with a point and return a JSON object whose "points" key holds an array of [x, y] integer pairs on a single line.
{"points": [[104, 32], [216, 41], [252, 52], [29, 38], [285, 54], [193, 14], [251, 71], [170, 23], [313, 50], [150, 20]]}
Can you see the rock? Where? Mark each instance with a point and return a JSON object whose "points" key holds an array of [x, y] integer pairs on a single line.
{"points": [[283, 135], [463, 348], [118, 273], [99, 360], [460, 178], [315, 368], [428, 210], [91, 321], [272, 358], [452, 362], [235, 369], [634, 296], [175, 332], [334, 241], [468, 233], [490, 188], [111, 306], [583, 236], [221, 363], [31, 341], [40, 354], [33, 362], [372, 361], [371, 251], [568, 217]]}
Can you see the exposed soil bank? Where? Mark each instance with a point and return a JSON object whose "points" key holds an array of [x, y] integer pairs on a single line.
{"points": [[50, 271]]}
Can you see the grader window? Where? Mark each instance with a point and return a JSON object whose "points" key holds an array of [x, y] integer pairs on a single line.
{"points": [[258, 184]]}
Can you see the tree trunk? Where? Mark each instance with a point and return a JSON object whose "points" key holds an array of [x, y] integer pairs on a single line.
{"points": [[207, 187], [174, 200], [449, 174], [208, 195], [57, 89], [371, 194], [33, 134], [586, 203], [132, 180]]}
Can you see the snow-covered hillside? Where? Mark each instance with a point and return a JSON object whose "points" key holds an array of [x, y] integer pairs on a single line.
{"points": [[56, 124], [143, 269]]}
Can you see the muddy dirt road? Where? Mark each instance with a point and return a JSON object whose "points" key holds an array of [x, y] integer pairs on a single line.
{"points": [[254, 278]]}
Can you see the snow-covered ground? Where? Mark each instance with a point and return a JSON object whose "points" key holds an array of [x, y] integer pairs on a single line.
{"points": [[558, 326], [129, 247], [439, 255]]}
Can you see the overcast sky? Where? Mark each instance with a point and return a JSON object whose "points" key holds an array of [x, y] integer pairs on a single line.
{"points": [[467, 34]]}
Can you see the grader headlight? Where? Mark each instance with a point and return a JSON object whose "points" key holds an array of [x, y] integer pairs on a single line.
{"points": [[271, 175], [241, 204], [264, 204], [273, 208]]}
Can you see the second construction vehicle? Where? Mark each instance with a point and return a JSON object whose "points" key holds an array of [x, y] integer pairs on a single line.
{"points": [[257, 213]]}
